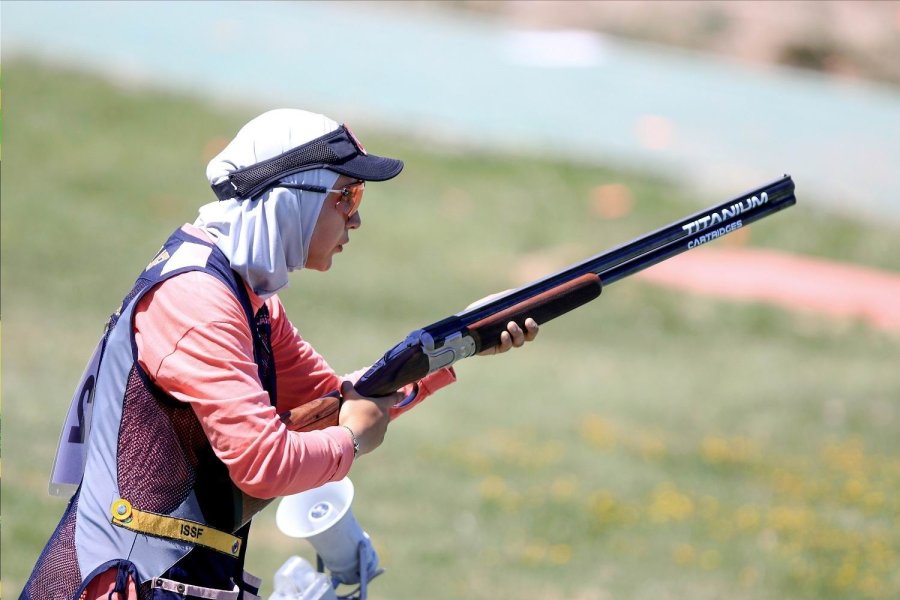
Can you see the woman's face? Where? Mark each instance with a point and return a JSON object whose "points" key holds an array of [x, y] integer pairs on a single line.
{"points": [[332, 231]]}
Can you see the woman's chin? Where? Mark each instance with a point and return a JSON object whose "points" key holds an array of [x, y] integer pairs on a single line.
{"points": [[321, 265]]}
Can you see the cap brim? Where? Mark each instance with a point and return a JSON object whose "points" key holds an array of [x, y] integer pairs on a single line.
{"points": [[369, 167]]}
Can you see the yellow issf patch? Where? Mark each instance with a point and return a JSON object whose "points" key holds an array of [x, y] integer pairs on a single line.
{"points": [[173, 528]]}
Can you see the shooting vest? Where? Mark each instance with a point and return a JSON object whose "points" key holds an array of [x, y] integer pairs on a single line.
{"points": [[154, 500]]}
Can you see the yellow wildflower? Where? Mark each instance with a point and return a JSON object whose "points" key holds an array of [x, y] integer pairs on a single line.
{"points": [[533, 553], [788, 518], [564, 488], [683, 554], [748, 576], [602, 506], [651, 446], [559, 554], [845, 575], [848, 456], [493, 487], [598, 432], [747, 518], [717, 450], [669, 504], [710, 560]]}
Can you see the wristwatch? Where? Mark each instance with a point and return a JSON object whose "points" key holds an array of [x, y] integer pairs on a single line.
{"points": [[355, 441]]}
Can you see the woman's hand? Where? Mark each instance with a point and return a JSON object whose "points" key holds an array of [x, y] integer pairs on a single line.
{"points": [[513, 337], [366, 417]]}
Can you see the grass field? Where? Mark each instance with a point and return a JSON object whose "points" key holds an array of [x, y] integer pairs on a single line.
{"points": [[652, 445]]}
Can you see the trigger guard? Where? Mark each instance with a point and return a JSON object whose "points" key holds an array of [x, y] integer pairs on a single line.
{"points": [[409, 397]]}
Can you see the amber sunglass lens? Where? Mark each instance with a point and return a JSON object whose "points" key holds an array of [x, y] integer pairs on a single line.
{"points": [[354, 195]]}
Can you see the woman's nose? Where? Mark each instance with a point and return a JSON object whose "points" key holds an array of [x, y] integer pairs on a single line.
{"points": [[355, 221]]}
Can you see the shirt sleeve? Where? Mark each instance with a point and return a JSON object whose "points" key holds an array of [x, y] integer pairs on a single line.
{"points": [[424, 388], [303, 374], [194, 343]]}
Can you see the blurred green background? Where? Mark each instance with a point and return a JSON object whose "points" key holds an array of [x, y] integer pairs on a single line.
{"points": [[651, 445]]}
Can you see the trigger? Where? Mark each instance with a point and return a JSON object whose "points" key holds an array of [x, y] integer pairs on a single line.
{"points": [[409, 397]]}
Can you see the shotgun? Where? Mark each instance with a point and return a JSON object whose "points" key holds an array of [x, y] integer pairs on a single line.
{"points": [[466, 333]]}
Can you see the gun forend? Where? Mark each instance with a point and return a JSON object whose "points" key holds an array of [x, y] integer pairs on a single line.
{"points": [[542, 307]]}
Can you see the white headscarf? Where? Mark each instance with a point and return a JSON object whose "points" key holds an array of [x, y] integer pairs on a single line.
{"points": [[266, 238]]}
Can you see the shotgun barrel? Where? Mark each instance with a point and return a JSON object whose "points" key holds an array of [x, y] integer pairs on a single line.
{"points": [[466, 333]]}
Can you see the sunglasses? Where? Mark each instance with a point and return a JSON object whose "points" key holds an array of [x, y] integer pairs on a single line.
{"points": [[352, 193]]}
